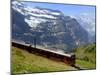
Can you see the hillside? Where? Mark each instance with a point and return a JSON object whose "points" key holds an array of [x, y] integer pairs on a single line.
{"points": [[24, 62], [86, 56]]}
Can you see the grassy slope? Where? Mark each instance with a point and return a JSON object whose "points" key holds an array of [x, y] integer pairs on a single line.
{"points": [[24, 62], [86, 56], [85, 64]]}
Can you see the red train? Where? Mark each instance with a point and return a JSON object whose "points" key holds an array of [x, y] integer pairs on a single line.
{"points": [[66, 58]]}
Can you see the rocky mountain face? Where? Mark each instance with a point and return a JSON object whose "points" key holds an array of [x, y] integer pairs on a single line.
{"points": [[88, 22], [49, 28]]}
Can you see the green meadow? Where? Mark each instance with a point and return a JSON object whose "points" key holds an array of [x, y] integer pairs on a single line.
{"points": [[24, 62]]}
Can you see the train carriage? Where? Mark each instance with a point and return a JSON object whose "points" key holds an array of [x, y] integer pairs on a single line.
{"points": [[66, 58]]}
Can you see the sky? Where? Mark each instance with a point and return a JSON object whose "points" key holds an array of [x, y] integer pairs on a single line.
{"points": [[67, 9]]}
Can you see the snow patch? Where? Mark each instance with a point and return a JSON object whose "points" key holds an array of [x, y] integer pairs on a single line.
{"points": [[43, 15]]}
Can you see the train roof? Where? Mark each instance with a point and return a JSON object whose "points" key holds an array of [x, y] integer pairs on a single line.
{"points": [[40, 47]]}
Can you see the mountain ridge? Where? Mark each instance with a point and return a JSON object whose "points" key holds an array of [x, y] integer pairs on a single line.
{"points": [[59, 31]]}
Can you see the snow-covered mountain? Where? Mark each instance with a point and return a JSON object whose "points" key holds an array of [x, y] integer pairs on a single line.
{"points": [[87, 21], [35, 15], [50, 28]]}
